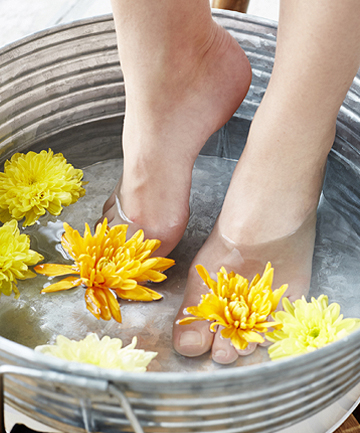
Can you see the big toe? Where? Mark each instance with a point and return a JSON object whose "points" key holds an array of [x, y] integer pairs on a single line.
{"points": [[193, 339]]}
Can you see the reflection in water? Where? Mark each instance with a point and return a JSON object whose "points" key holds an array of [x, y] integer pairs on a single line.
{"points": [[37, 319], [22, 322]]}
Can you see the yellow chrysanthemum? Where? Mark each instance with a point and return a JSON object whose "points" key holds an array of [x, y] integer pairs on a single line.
{"points": [[107, 261], [15, 258], [35, 182], [106, 353], [241, 309], [306, 327]]}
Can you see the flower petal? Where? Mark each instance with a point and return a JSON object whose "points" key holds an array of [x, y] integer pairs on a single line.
{"points": [[113, 305], [139, 294], [189, 320], [53, 270], [105, 312], [151, 275], [204, 274], [65, 284]]}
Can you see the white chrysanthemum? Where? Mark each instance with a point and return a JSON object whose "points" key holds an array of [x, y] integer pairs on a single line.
{"points": [[307, 326], [106, 353]]}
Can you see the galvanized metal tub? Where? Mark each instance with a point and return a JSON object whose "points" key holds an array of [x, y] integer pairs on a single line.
{"points": [[69, 79]]}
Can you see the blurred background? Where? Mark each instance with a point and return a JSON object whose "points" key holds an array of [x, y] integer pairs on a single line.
{"points": [[20, 18]]}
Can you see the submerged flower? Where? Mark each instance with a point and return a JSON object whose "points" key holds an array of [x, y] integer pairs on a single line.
{"points": [[106, 264], [15, 258], [241, 309], [306, 327], [35, 182], [106, 353]]}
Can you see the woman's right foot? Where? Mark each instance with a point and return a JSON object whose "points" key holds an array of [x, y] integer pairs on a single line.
{"points": [[268, 215], [166, 125]]}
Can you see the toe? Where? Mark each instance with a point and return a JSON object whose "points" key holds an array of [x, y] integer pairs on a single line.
{"points": [[192, 340], [248, 351], [222, 350]]}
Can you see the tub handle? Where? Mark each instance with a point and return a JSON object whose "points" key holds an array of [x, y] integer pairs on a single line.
{"points": [[53, 376], [67, 379], [124, 403]]}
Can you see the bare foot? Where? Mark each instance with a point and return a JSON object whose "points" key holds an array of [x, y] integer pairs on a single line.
{"points": [[269, 214], [291, 257], [166, 125]]}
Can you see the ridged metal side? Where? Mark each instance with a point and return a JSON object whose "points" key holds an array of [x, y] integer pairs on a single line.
{"points": [[57, 80], [264, 398], [68, 77]]}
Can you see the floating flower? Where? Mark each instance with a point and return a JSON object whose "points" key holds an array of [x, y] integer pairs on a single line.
{"points": [[106, 353], [241, 309], [306, 327], [106, 264], [35, 182], [15, 258]]}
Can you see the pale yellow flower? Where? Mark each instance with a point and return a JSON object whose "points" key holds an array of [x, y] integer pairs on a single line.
{"points": [[241, 309], [35, 182], [106, 353], [306, 327], [106, 264], [15, 258]]}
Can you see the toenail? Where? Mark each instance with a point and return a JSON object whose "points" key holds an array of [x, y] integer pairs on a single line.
{"points": [[190, 338], [220, 354], [250, 349]]}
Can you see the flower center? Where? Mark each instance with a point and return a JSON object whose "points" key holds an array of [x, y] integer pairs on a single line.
{"points": [[31, 179], [314, 333]]}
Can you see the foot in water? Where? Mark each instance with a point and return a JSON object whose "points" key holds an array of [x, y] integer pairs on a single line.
{"points": [[165, 128], [184, 81], [269, 211], [269, 214]]}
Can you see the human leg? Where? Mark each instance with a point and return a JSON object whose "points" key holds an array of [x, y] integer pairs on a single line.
{"points": [[269, 211], [184, 78]]}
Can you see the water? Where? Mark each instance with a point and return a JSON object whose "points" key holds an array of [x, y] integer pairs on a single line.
{"points": [[36, 318]]}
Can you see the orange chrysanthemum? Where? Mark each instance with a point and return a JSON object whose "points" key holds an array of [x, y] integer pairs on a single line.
{"points": [[241, 309], [107, 264]]}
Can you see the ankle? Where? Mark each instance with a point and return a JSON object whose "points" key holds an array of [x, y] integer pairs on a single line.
{"points": [[280, 173], [168, 64], [281, 122], [172, 80]]}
